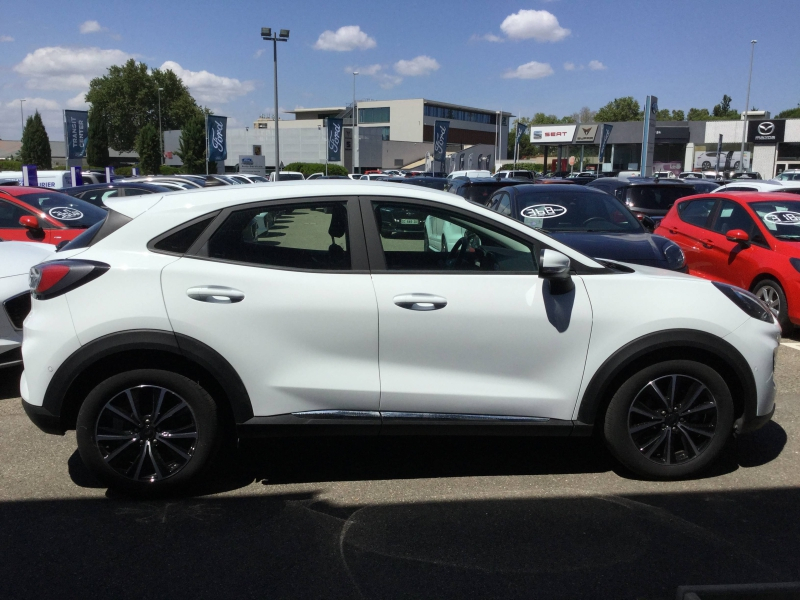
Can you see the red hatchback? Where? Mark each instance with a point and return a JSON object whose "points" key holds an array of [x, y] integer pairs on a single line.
{"points": [[747, 239], [33, 214]]}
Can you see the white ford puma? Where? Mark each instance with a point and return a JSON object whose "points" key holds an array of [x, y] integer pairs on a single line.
{"points": [[176, 322]]}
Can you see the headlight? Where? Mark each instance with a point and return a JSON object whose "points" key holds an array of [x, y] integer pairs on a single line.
{"points": [[674, 255], [746, 301]]}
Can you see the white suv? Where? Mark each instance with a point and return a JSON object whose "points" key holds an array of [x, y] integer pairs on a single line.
{"points": [[172, 324]]}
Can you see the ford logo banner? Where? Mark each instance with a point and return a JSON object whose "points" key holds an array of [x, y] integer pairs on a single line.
{"points": [[335, 139], [217, 140], [440, 132]]}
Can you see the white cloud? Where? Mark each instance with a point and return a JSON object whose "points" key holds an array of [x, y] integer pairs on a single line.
{"points": [[531, 70], [537, 24], [34, 104], [6, 38], [207, 87], [596, 65], [91, 27], [568, 66], [486, 37], [259, 53], [370, 70], [421, 65], [59, 68], [378, 73], [78, 102], [344, 39]]}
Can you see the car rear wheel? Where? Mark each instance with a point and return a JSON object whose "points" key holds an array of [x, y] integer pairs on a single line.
{"points": [[147, 431], [771, 293], [670, 420]]}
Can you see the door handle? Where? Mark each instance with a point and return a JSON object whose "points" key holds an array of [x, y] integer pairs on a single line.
{"points": [[422, 302], [215, 294], [707, 243], [673, 229]]}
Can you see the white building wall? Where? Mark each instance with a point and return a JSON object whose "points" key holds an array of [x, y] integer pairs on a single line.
{"points": [[405, 118], [764, 160], [731, 132]]}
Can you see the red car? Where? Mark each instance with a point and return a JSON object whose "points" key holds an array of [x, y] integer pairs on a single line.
{"points": [[747, 239], [33, 214]]}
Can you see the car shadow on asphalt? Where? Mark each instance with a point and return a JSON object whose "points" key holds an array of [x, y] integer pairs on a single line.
{"points": [[281, 461]]}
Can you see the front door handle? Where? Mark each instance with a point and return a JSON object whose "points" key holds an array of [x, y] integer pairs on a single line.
{"points": [[216, 294], [707, 243], [420, 301]]}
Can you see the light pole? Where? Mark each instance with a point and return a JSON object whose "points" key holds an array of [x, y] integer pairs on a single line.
{"points": [[160, 134], [356, 162], [281, 36], [747, 105], [21, 119]]}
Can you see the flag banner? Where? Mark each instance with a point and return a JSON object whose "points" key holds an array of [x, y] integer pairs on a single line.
{"points": [[30, 176], [109, 174], [76, 176], [76, 132], [217, 139], [521, 129], [648, 136], [440, 131], [334, 139], [603, 140]]}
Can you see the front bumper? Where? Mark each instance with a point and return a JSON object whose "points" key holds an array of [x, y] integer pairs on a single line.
{"points": [[43, 419], [745, 423]]}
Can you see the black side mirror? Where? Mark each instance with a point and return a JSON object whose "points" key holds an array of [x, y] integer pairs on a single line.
{"points": [[649, 224]]}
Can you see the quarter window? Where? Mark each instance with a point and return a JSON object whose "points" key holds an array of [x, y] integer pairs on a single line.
{"points": [[310, 236], [418, 238], [696, 212]]}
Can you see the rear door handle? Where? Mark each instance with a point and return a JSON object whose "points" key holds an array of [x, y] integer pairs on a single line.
{"points": [[707, 243], [215, 294], [422, 302]]}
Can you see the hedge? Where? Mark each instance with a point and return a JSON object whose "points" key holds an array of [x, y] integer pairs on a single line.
{"points": [[308, 168], [10, 165]]}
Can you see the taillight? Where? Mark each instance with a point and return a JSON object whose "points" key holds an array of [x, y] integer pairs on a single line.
{"points": [[51, 279]]}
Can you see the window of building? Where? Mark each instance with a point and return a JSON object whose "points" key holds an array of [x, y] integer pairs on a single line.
{"points": [[385, 134], [442, 112], [310, 236], [374, 115]]}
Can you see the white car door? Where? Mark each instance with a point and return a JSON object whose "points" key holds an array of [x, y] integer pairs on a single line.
{"points": [[473, 331], [292, 309]]}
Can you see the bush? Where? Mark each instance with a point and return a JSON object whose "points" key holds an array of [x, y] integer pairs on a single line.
{"points": [[308, 168], [123, 171], [10, 165], [168, 170], [148, 147], [521, 166]]}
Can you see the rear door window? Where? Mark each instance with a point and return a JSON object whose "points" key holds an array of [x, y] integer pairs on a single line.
{"points": [[655, 197], [696, 212]]}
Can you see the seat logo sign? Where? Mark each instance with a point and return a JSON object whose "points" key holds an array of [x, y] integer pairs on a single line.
{"points": [[783, 217], [543, 211], [64, 213], [766, 128]]}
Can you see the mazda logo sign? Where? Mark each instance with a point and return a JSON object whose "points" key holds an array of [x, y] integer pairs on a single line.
{"points": [[766, 128]]}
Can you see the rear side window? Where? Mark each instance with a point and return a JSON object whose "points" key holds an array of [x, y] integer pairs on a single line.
{"points": [[97, 232], [180, 241], [657, 197], [740, 188], [696, 212]]}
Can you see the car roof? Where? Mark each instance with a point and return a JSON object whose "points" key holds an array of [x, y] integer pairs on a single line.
{"points": [[528, 188], [118, 184], [750, 197], [21, 190], [171, 210], [638, 181]]}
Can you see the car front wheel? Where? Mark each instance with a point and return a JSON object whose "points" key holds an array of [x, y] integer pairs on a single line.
{"points": [[670, 420], [147, 431]]}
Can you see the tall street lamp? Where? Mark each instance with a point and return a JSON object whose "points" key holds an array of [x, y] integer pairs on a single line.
{"points": [[356, 162], [160, 134], [281, 36], [21, 119], [747, 104]]}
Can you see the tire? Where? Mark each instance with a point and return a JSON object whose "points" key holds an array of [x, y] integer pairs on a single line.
{"points": [[771, 293], [706, 165], [678, 444], [142, 461]]}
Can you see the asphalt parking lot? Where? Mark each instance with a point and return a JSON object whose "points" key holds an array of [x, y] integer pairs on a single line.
{"points": [[402, 518]]}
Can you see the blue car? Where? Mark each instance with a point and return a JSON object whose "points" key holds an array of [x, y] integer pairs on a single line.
{"points": [[590, 221], [96, 193]]}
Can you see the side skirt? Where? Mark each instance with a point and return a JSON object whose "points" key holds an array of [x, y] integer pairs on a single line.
{"points": [[359, 422]]}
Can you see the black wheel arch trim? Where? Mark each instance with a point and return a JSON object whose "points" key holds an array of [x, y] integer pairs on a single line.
{"points": [[179, 345], [664, 342]]}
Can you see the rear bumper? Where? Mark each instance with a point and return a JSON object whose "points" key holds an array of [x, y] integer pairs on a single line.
{"points": [[43, 419]]}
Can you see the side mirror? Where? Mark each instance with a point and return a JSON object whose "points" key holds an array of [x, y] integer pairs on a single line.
{"points": [[554, 267], [29, 222], [648, 223], [737, 236]]}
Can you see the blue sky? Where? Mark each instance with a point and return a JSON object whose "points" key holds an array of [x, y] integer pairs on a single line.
{"points": [[536, 56]]}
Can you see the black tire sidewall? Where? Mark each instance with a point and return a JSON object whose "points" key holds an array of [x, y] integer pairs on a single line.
{"points": [[205, 414], [615, 427], [783, 314]]}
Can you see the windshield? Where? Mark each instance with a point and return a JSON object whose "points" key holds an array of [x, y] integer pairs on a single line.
{"points": [[656, 197], [480, 193], [569, 211], [782, 219], [70, 212]]}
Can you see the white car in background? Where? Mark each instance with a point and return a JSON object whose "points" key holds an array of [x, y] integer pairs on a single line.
{"points": [[757, 185], [288, 176], [16, 260], [168, 327], [469, 173]]}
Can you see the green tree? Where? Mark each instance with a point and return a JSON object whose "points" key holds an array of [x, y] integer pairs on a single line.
{"points": [[678, 115], [699, 114], [723, 109], [791, 113], [148, 147], [665, 114], [128, 96], [620, 109], [35, 143], [97, 147], [192, 148]]}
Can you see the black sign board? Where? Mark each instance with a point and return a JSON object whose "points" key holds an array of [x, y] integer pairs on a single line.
{"points": [[766, 131], [666, 135]]}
